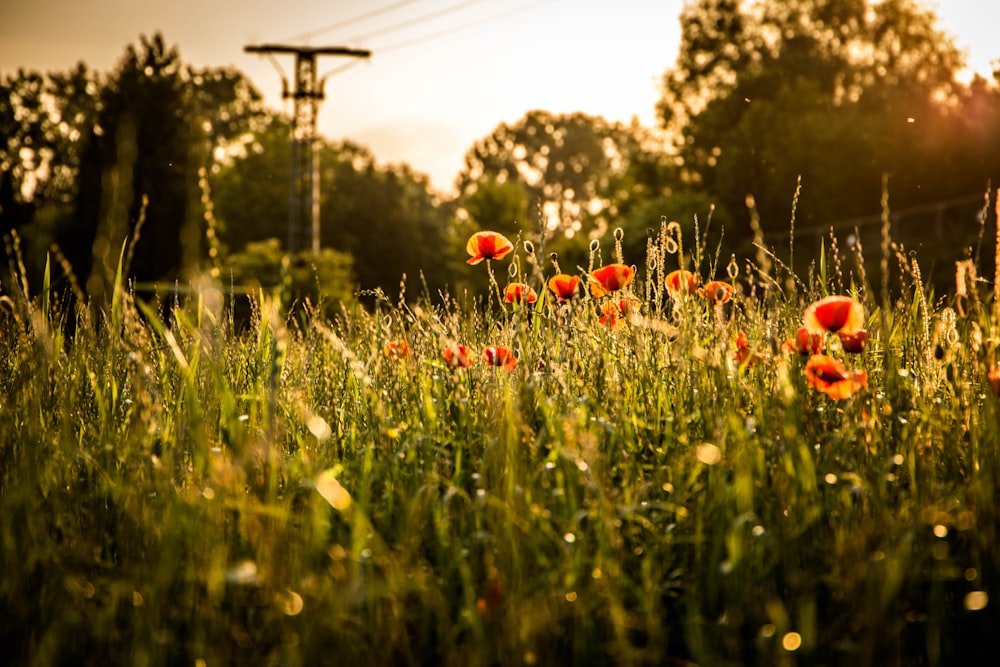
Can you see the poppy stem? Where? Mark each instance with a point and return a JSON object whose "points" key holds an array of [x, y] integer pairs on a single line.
{"points": [[493, 282]]}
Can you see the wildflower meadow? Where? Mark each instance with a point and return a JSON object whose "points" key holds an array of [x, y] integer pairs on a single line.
{"points": [[674, 459]]}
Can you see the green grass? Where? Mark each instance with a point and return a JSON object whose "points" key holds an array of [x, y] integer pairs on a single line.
{"points": [[177, 489]]}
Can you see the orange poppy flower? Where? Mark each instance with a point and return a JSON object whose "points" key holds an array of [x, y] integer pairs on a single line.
{"points": [[496, 355], [681, 280], [458, 356], [487, 245], [564, 286], [717, 291], [397, 349], [612, 312], [519, 293], [610, 278], [489, 601], [853, 342], [835, 313], [829, 376]]}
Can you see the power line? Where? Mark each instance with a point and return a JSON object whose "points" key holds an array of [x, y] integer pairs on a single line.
{"points": [[460, 28], [415, 21], [351, 21], [441, 33]]}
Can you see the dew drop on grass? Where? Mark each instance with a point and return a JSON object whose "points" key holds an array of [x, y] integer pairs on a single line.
{"points": [[767, 630], [668, 487], [757, 530], [550, 465], [941, 531], [830, 478], [569, 538], [582, 465]]}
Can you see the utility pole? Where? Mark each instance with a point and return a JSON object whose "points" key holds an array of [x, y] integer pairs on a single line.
{"points": [[303, 219]]}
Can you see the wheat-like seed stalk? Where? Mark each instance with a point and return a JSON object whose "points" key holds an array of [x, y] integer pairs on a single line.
{"points": [[886, 242], [996, 260]]}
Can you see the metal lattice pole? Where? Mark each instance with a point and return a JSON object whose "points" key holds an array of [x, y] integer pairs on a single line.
{"points": [[303, 214]]}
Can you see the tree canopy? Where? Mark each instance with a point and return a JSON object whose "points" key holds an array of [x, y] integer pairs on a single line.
{"points": [[837, 92]]}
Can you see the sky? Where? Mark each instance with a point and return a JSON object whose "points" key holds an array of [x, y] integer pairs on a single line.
{"points": [[442, 74]]}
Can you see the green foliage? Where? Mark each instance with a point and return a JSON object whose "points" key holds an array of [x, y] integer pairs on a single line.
{"points": [[323, 280], [384, 217], [250, 187], [837, 93], [574, 170], [388, 220], [82, 153], [175, 490]]}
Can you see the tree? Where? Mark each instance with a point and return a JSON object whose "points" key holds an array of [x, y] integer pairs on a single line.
{"points": [[836, 91], [250, 187], [385, 217], [571, 167], [41, 118], [157, 123], [582, 175]]}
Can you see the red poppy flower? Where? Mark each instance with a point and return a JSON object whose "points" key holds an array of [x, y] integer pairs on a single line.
{"points": [[835, 313], [681, 280], [744, 355], [717, 291], [806, 342], [495, 355], [564, 286], [487, 245], [610, 278], [519, 293], [829, 376], [458, 356], [397, 349], [853, 342]]}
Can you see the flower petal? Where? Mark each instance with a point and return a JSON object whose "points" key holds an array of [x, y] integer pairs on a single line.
{"points": [[833, 314], [610, 278], [487, 245]]}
